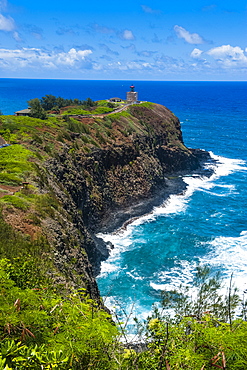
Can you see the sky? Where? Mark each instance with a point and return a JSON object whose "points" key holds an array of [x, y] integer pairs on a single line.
{"points": [[192, 40]]}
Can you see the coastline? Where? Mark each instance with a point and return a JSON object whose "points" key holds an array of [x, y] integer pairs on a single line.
{"points": [[174, 184]]}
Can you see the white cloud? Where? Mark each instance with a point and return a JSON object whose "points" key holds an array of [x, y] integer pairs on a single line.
{"points": [[229, 56], [149, 10], [138, 65], [16, 36], [160, 66], [72, 57], [6, 23], [196, 53], [191, 38], [37, 58], [127, 35], [225, 56]]}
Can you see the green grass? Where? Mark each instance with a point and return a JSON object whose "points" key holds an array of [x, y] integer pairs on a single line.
{"points": [[77, 111], [15, 201], [97, 110], [102, 103], [102, 110], [14, 123], [16, 129], [107, 122], [10, 179], [14, 164], [146, 105], [79, 127], [117, 116]]}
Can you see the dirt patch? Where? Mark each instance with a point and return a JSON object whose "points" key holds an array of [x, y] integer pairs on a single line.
{"points": [[8, 190], [86, 120], [20, 221]]}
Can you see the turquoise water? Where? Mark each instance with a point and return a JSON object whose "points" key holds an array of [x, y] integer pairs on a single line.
{"points": [[207, 224]]}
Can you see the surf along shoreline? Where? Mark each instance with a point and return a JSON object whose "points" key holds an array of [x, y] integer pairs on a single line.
{"points": [[174, 185]]}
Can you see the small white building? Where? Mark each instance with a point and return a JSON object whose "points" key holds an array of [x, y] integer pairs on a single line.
{"points": [[23, 112], [115, 100]]}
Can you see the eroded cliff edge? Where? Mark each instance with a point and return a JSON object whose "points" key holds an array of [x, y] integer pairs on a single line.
{"points": [[107, 185], [99, 172]]}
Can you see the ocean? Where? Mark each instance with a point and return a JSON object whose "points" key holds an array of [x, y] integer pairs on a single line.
{"points": [[205, 225]]}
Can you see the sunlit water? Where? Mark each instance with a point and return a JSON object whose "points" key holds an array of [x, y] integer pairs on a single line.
{"points": [[206, 224]]}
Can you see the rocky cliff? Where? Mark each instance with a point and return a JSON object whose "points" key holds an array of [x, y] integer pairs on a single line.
{"points": [[98, 172]]}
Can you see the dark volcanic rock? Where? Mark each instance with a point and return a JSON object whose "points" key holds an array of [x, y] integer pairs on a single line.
{"points": [[105, 188]]}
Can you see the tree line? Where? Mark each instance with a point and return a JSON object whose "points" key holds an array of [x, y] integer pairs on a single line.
{"points": [[40, 107]]}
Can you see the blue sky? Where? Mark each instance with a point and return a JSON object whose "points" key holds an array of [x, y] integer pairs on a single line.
{"points": [[125, 40]]}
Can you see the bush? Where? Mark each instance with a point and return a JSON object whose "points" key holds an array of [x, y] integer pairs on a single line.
{"points": [[15, 201], [202, 333], [78, 127], [55, 332]]}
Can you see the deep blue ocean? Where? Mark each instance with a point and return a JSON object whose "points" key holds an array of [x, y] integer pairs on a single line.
{"points": [[205, 225]]}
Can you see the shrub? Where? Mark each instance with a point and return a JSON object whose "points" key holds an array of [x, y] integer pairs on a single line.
{"points": [[15, 201], [78, 127], [41, 329], [202, 333], [9, 179]]}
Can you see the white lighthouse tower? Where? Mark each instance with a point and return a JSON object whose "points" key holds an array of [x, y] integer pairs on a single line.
{"points": [[132, 95]]}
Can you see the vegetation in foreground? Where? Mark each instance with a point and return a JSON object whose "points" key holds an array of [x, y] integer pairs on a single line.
{"points": [[41, 329], [44, 326]]}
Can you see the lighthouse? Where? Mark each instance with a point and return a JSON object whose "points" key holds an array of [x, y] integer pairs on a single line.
{"points": [[132, 95]]}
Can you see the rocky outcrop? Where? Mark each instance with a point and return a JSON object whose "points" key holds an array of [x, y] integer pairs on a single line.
{"points": [[102, 189]]}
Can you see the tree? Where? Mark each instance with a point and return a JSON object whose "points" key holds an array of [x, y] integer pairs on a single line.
{"points": [[202, 335], [48, 102], [89, 102], [36, 109]]}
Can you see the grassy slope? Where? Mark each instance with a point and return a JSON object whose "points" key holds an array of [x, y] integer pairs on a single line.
{"points": [[33, 141], [23, 210]]}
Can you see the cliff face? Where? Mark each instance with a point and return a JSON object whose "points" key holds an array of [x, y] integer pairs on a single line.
{"points": [[101, 171], [106, 186]]}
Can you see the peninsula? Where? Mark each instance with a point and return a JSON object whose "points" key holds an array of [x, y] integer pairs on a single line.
{"points": [[67, 173], [71, 175]]}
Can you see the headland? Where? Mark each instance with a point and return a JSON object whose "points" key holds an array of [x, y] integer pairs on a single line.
{"points": [[80, 172]]}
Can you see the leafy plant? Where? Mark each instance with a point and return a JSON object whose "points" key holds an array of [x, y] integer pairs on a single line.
{"points": [[70, 333], [202, 333]]}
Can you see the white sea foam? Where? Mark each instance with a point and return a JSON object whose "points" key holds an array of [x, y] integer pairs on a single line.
{"points": [[123, 238], [226, 166], [134, 275], [181, 274], [229, 254]]}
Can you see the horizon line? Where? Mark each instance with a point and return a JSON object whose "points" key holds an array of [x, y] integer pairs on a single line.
{"points": [[141, 80]]}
